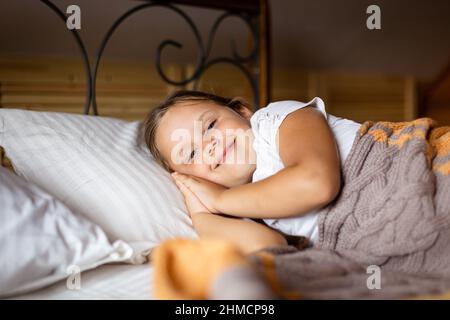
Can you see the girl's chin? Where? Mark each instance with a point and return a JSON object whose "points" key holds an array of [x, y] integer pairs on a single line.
{"points": [[238, 174]]}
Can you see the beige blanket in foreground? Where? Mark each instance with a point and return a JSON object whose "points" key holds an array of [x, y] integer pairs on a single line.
{"points": [[392, 216]]}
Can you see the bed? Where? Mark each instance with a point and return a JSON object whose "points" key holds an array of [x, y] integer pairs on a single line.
{"points": [[134, 280], [95, 166], [107, 282]]}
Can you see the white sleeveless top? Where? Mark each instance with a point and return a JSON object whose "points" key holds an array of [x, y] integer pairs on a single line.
{"points": [[265, 123]]}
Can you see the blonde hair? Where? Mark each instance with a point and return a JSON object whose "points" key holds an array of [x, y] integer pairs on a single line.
{"points": [[151, 122]]}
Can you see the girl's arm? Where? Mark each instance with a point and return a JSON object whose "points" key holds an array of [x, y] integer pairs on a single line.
{"points": [[310, 179], [249, 236]]}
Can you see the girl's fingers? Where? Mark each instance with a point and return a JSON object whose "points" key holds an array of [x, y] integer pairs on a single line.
{"points": [[182, 178], [182, 187], [193, 204], [186, 179], [186, 182], [185, 190]]}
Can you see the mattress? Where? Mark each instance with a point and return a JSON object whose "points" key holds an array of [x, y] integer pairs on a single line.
{"points": [[107, 282]]}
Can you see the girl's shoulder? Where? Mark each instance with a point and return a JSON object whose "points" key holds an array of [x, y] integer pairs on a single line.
{"points": [[275, 112]]}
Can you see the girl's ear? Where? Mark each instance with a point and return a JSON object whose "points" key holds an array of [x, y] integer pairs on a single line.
{"points": [[242, 107], [245, 112]]}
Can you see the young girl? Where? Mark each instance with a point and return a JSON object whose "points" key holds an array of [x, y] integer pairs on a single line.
{"points": [[279, 164]]}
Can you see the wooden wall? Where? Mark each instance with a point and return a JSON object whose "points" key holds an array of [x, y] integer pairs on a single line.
{"points": [[129, 90], [436, 103], [356, 96], [124, 90]]}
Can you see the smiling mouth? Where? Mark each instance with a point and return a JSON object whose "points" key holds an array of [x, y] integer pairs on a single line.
{"points": [[225, 152]]}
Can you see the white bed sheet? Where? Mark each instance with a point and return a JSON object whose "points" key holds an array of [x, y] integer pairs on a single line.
{"points": [[107, 282]]}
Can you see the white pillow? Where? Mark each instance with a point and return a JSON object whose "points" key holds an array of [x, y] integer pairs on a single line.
{"points": [[42, 241], [98, 167]]}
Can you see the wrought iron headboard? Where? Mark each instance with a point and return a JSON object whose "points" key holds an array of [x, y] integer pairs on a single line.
{"points": [[255, 66]]}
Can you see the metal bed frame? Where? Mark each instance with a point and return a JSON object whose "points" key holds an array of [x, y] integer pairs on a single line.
{"points": [[255, 66]]}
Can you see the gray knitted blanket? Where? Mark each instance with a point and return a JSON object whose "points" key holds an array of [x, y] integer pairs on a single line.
{"points": [[391, 220]]}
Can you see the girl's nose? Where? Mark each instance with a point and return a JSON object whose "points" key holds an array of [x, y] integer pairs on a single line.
{"points": [[211, 147]]}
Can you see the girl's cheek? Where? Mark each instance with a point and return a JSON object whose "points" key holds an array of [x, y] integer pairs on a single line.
{"points": [[220, 126], [211, 175], [200, 170]]}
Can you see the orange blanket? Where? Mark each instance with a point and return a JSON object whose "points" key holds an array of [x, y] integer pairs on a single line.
{"points": [[188, 269]]}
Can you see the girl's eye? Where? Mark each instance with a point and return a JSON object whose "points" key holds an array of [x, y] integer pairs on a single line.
{"points": [[192, 155], [211, 125]]}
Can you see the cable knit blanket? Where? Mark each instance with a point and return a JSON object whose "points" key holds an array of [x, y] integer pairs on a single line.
{"points": [[393, 213], [394, 209], [391, 221]]}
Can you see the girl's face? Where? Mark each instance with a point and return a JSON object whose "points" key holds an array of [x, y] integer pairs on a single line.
{"points": [[208, 141]]}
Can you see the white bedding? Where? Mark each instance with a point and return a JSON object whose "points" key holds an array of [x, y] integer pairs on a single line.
{"points": [[113, 281]]}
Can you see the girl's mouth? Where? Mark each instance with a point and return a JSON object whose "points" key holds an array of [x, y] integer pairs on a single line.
{"points": [[226, 151]]}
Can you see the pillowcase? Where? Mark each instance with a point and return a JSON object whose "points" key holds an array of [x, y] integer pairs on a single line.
{"points": [[100, 168], [42, 241]]}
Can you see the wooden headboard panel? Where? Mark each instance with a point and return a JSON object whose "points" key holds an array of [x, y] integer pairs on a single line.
{"points": [[254, 66], [260, 10]]}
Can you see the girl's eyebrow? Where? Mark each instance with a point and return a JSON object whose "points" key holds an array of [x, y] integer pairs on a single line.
{"points": [[200, 118]]}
